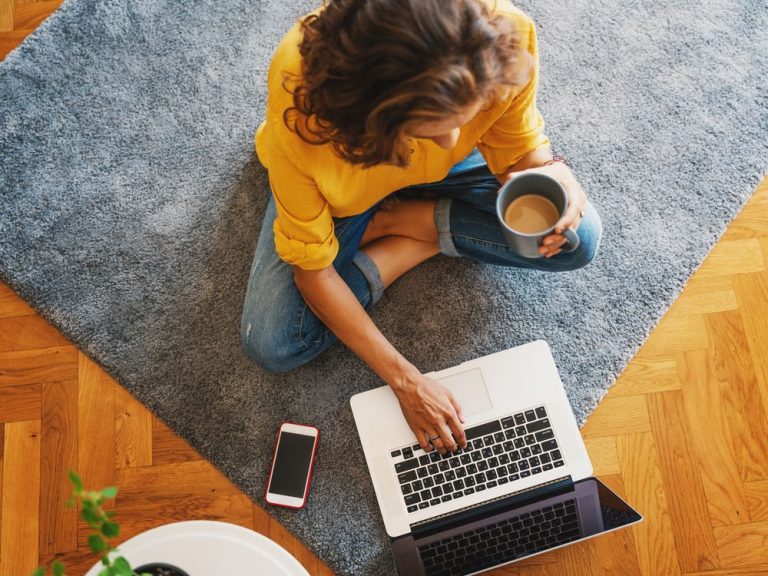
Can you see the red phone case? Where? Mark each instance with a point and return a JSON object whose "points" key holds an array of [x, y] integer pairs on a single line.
{"points": [[311, 467]]}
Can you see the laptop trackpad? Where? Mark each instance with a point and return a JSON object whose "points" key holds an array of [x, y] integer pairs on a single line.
{"points": [[470, 391]]}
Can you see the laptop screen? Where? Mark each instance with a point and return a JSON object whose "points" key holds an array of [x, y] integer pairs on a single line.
{"points": [[514, 532]]}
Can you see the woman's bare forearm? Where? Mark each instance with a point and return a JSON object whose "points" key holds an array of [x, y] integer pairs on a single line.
{"points": [[329, 297]]}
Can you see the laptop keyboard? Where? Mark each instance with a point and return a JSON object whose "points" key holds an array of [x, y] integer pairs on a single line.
{"points": [[504, 541], [500, 451]]}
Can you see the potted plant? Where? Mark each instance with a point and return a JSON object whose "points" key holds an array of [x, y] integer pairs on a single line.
{"points": [[100, 522]]}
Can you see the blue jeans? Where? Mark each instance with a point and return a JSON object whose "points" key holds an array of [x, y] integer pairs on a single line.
{"points": [[281, 333]]}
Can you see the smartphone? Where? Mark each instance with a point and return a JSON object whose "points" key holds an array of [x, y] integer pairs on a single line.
{"points": [[292, 465]]}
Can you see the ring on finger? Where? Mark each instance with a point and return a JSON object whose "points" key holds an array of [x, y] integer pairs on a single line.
{"points": [[435, 437]]}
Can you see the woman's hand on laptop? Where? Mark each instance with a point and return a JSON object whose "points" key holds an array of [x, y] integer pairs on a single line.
{"points": [[430, 410]]}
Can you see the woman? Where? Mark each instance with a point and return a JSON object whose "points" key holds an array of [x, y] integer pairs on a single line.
{"points": [[390, 126]]}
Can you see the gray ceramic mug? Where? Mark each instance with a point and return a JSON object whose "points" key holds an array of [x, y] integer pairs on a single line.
{"points": [[527, 245]]}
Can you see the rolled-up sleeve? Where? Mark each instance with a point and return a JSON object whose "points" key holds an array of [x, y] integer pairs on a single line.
{"points": [[304, 232], [520, 128]]}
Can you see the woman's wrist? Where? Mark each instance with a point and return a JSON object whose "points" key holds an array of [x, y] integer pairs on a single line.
{"points": [[401, 375]]}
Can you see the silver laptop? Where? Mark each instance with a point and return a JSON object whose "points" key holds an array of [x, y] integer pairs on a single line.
{"points": [[522, 486]]}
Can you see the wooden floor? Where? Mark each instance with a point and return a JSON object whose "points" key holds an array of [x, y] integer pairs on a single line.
{"points": [[683, 434]]}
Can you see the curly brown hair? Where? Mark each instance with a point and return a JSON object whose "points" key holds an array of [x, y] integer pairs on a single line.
{"points": [[371, 68]]}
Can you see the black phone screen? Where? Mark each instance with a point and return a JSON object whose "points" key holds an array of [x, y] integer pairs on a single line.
{"points": [[294, 456]]}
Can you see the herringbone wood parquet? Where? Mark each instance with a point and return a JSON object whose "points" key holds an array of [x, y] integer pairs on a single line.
{"points": [[683, 434]]}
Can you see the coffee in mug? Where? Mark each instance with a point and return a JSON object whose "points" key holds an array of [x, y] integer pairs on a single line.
{"points": [[531, 213], [528, 207]]}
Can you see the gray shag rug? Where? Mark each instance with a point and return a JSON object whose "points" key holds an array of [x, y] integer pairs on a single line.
{"points": [[132, 199]]}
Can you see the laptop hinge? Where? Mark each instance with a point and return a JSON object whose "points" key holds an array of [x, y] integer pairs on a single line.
{"points": [[490, 507]]}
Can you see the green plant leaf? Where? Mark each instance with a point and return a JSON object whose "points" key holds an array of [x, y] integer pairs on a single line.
{"points": [[76, 482], [122, 567], [89, 515], [39, 572], [110, 492], [96, 543], [70, 502], [110, 529], [106, 572], [58, 568], [110, 514]]}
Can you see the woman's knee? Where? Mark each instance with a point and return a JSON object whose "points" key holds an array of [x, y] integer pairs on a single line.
{"points": [[590, 233], [268, 345]]}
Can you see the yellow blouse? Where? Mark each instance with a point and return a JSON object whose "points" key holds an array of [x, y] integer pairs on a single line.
{"points": [[311, 185]]}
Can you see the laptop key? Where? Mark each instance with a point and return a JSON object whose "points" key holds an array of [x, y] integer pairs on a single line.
{"points": [[504, 459], [439, 478], [482, 465], [445, 498], [519, 443], [541, 412], [525, 474], [536, 449], [480, 488], [434, 501], [546, 467], [491, 484], [546, 434], [503, 480], [556, 455], [514, 477], [395, 453], [559, 463], [423, 505], [530, 415], [549, 445], [406, 488], [461, 472], [422, 472], [407, 453], [406, 477], [530, 439], [469, 491], [488, 440], [429, 482], [509, 434], [499, 437], [411, 499], [537, 425], [434, 456], [465, 459], [497, 449], [424, 460], [535, 470], [406, 465], [525, 452], [416, 447], [508, 422], [413, 508], [426, 495], [482, 429], [519, 418], [417, 485]]}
